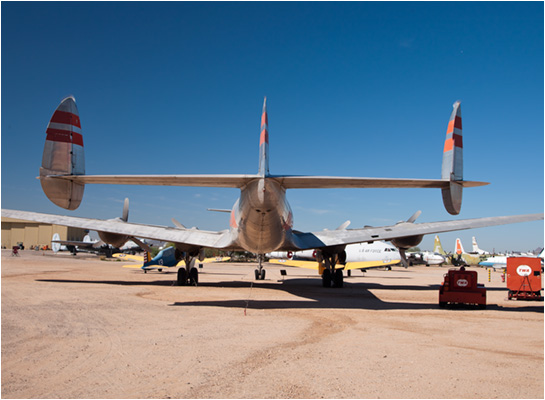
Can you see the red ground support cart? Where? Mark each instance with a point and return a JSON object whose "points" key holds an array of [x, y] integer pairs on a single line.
{"points": [[461, 287], [524, 278]]}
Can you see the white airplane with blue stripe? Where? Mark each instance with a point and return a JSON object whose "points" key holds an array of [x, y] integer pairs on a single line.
{"points": [[261, 219]]}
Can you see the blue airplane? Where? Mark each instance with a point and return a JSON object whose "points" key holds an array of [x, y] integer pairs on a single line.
{"points": [[165, 258]]}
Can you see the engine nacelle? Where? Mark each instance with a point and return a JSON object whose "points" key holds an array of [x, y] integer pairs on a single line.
{"points": [[115, 239], [407, 242]]}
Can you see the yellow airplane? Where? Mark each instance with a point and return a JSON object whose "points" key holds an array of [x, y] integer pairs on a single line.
{"points": [[164, 259]]}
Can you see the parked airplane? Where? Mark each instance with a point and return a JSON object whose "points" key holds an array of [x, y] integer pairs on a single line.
{"points": [[460, 257], [166, 258], [438, 247], [501, 261], [476, 249], [261, 219], [87, 244], [358, 256], [494, 262], [426, 257]]}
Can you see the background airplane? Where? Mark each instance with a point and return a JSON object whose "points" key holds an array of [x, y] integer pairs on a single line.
{"points": [[460, 257], [73, 246], [261, 219], [426, 257], [476, 249], [166, 258], [358, 256]]}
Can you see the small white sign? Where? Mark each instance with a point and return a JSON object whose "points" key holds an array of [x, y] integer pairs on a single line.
{"points": [[462, 282], [524, 270]]}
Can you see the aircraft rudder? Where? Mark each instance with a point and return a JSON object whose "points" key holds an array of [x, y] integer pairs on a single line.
{"points": [[452, 166], [63, 155], [264, 142]]}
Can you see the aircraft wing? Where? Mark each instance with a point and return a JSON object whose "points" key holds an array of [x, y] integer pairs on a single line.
{"points": [[164, 233], [84, 245], [315, 240]]}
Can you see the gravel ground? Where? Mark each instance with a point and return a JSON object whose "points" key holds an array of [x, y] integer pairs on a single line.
{"points": [[78, 327]]}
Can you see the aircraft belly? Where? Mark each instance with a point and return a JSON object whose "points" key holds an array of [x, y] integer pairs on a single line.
{"points": [[263, 216]]}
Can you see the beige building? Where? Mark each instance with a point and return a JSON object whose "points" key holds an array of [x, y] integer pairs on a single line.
{"points": [[32, 234]]}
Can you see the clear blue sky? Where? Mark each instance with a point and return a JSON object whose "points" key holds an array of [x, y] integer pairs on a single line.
{"points": [[353, 89]]}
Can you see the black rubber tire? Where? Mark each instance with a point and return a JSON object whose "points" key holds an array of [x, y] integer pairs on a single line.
{"points": [[182, 277], [338, 279], [326, 278], [194, 277]]}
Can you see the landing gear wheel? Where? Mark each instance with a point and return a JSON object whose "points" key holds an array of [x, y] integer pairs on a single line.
{"points": [[194, 276], [256, 272], [262, 275], [326, 278], [338, 278], [182, 277]]}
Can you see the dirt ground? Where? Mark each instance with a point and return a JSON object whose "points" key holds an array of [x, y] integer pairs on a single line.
{"points": [[78, 327]]}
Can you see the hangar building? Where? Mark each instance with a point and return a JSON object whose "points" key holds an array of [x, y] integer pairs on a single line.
{"points": [[32, 234]]}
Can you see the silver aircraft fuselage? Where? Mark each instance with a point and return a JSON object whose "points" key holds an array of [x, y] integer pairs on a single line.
{"points": [[261, 219]]}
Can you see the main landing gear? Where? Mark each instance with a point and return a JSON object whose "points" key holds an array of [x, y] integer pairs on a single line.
{"points": [[188, 278], [260, 273], [331, 276]]}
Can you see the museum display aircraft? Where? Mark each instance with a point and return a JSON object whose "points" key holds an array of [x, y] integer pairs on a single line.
{"points": [[360, 256], [261, 219]]}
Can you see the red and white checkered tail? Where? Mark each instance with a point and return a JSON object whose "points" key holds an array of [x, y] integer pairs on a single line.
{"points": [[452, 168], [63, 155]]}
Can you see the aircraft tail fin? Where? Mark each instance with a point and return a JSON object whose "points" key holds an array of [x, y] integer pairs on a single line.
{"points": [[452, 167], [459, 249], [475, 245], [264, 143], [147, 257], [63, 155], [55, 246], [437, 246]]}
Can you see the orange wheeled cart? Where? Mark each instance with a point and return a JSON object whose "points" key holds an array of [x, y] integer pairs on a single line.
{"points": [[461, 287], [524, 278]]}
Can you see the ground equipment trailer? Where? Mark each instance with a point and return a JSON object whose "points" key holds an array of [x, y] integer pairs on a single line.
{"points": [[524, 278], [461, 287]]}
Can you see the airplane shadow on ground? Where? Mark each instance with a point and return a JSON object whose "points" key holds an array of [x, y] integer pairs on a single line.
{"points": [[351, 296]]}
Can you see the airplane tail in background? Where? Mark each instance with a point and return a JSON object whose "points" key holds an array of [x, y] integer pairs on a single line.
{"points": [[147, 257], [459, 249], [452, 167], [63, 155], [264, 143], [437, 247]]}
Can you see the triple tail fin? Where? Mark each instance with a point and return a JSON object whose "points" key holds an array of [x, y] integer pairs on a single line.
{"points": [[63, 155], [264, 143], [452, 168]]}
